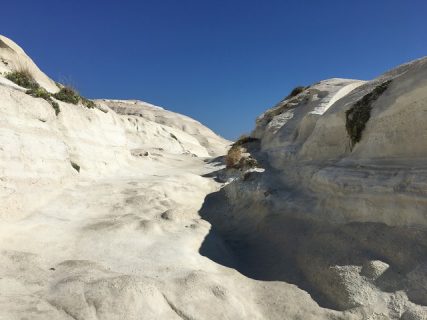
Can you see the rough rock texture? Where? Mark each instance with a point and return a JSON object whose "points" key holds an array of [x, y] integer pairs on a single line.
{"points": [[346, 222], [195, 130], [99, 218], [119, 212]]}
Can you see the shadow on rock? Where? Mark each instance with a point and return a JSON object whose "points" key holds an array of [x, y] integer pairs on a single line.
{"points": [[341, 266]]}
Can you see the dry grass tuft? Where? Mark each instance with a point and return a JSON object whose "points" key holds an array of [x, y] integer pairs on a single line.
{"points": [[295, 91], [233, 157], [23, 77], [67, 94], [244, 139]]}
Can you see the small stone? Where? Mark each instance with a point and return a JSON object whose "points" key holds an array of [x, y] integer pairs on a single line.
{"points": [[373, 269]]}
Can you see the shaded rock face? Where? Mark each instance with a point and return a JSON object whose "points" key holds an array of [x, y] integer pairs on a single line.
{"points": [[344, 220], [126, 210], [3, 44]]}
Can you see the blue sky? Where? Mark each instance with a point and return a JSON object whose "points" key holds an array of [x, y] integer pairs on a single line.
{"points": [[222, 62]]}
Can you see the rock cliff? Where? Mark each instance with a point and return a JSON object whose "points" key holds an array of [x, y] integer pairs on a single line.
{"points": [[339, 208]]}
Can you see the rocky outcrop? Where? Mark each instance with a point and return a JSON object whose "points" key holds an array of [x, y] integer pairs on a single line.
{"points": [[345, 219], [182, 124], [42, 151], [13, 58]]}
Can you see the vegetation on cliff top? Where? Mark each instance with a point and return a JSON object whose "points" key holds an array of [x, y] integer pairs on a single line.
{"points": [[23, 77]]}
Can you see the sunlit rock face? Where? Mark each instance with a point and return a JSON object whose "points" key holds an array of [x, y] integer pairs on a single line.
{"points": [[126, 210]]}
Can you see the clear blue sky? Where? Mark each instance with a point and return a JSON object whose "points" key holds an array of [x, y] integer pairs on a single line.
{"points": [[221, 62]]}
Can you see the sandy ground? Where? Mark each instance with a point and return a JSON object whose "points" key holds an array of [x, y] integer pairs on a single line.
{"points": [[127, 247]]}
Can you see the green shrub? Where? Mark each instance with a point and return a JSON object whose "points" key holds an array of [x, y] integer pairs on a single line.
{"points": [[75, 166], [23, 78], [55, 107], [39, 93], [358, 115], [295, 91], [42, 93], [67, 94], [88, 103]]}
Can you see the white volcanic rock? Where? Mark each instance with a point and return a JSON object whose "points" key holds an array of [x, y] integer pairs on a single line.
{"points": [[120, 238], [287, 126], [13, 58], [204, 136], [361, 182], [114, 212], [344, 220], [99, 218], [39, 148]]}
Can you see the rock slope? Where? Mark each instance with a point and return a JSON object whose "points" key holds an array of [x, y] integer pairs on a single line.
{"points": [[12, 57], [125, 210]]}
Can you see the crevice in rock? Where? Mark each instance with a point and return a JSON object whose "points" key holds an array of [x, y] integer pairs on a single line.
{"points": [[359, 114], [178, 312]]}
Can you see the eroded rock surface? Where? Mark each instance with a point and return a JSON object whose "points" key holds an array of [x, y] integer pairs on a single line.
{"points": [[344, 220], [126, 210]]}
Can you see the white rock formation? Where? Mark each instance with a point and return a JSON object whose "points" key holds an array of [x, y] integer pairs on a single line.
{"points": [[345, 220], [182, 124], [13, 58], [101, 209]]}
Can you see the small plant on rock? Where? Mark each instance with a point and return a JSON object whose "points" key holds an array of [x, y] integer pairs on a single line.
{"points": [[67, 94], [55, 107], [23, 78], [42, 93], [88, 103], [295, 91], [248, 162], [236, 158], [244, 139], [75, 166], [358, 115], [233, 156], [39, 93]]}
